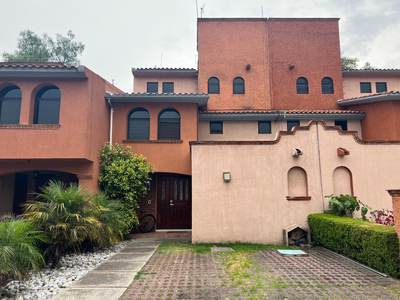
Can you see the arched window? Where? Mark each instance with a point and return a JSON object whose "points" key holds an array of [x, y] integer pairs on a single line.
{"points": [[302, 85], [213, 85], [169, 125], [139, 124], [47, 106], [327, 85], [238, 85], [342, 181], [10, 105]]}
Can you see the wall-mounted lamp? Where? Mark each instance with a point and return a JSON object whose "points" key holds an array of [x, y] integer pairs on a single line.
{"points": [[248, 66], [297, 152], [342, 152], [291, 66], [227, 176]]}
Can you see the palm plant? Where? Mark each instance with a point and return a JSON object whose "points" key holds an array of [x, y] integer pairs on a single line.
{"points": [[18, 251], [64, 214]]}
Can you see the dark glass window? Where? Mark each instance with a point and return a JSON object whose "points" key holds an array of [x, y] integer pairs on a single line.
{"points": [[341, 123], [365, 87], [264, 127], [291, 124], [152, 87], [238, 85], [139, 124], [216, 128], [381, 87], [169, 125], [327, 85], [168, 87], [213, 85], [47, 106], [10, 105], [302, 85]]}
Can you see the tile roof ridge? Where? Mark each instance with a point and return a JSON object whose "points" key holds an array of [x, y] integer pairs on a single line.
{"points": [[372, 95]]}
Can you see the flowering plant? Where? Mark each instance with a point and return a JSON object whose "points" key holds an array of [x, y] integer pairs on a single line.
{"points": [[7, 217], [382, 216]]}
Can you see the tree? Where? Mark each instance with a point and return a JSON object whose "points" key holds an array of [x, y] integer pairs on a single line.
{"points": [[32, 48], [349, 63], [123, 177], [367, 66]]}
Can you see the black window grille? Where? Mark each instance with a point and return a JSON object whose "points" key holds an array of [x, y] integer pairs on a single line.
{"points": [[302, 85], [139, 124], [169, 125], [10, 105], [47, 106]]}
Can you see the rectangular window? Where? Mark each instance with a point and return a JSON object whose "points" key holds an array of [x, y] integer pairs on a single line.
{"points": [[152, 87], [381, 87], [365, 87], [216, 128], [291, 124], [168, 87], [341, 123], [264, 127]]}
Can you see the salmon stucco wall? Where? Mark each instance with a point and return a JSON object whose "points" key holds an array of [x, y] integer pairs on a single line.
{"points": [[167, 156], [253, 207], [351, 84], [182, 85]]}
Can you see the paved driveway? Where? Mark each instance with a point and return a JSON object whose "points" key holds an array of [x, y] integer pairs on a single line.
{"points": [[321, 275]]}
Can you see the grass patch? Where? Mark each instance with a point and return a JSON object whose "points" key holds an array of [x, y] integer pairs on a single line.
{"points": [[141, 273], [188, 247]]}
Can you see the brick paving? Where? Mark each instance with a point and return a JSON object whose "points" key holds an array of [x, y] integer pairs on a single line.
{"points": [[321, 275]]}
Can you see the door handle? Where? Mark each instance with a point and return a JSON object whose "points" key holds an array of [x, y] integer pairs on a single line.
{"points": [[171, 203]]}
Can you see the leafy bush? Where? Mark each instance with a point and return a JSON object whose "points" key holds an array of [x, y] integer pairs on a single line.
{"points": [[72, 216], [372, 244], [345, 205], [382, 216], [18, 251], [123, 178]]}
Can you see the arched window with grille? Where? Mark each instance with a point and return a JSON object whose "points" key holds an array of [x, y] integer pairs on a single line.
{"points": [[238, 85], [327, 85], [302, 85], [213, 85], [47, 106], [10, 105], [169, 125], [139, 124]]}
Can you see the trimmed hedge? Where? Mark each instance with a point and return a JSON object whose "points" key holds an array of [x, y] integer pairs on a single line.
{"points": [[373, 244]]}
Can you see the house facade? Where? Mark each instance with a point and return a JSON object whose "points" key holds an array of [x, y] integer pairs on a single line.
{"points": [[244, 147]]}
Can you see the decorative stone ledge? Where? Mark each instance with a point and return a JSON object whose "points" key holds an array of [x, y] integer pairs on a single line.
{"points": [[298, 198], [152, 141], [30, 126]]}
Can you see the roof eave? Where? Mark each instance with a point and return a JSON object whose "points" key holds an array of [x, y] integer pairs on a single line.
{"points": [[165, 72], [43, 72], [369, 99]]}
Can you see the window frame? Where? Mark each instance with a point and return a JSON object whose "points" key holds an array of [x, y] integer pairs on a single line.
{"points": [[159, 125], [40, 100], [130, 135], [268, 131], [165, 84], [380, 83], [214, 85], [302, 87], [363, 85], [238, 86], [150, 86], [327, 87], [11, 100], [292, 121], [216, 131]]}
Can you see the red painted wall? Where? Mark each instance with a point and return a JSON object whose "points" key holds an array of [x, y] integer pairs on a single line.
{"points": [[226, 46]]}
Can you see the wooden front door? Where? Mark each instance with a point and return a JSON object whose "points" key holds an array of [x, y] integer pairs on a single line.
{"points": [[174, 202]]}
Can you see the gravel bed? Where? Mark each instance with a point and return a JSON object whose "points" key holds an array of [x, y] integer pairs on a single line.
{"points": [[49, 282]]}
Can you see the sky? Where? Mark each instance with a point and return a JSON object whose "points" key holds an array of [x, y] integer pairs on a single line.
{"points": [[123, 34]]}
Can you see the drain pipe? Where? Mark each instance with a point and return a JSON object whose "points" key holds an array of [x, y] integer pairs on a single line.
{"points": [[320, 169], [111, 118]]}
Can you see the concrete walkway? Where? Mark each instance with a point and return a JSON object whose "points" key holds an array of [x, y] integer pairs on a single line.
{"points": [[111, 278]]}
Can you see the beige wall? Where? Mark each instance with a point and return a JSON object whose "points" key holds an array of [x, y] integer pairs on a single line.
{"points": [[351, 84], [248, 130], [181, 84], [252, 207]]}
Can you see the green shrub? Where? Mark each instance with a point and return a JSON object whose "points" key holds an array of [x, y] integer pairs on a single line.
{"points": [[18, 251], [372, 244], [123, 178], [345, 205], [72, 217]]}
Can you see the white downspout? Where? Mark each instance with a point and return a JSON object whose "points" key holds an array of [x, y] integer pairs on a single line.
{"points": [[111, 118]]}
